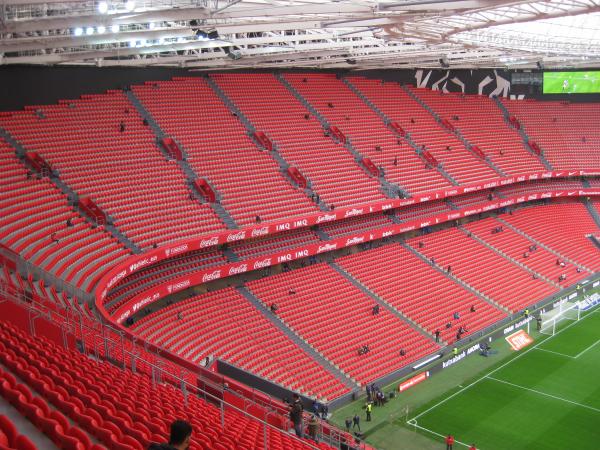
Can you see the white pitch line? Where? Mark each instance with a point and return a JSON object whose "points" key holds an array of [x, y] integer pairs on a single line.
{"points": [[556, 353], [456, 441], [585, 350], [502, 366], [544, 393]]}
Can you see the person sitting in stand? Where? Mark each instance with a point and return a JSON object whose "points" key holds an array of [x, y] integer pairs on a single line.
{"points": [[122, 127], [412, 120], [378, 148], [375, 310], [473, 308], [330, 105], [257, 219], [395, 161], [274, 308], [456, 315], [562, 264], [449, 325], [578, 270], [526, 255], [402, 352], [448, 148], [421, 244], [292, 291], [449, 269], [70, 222], [307, 116]]}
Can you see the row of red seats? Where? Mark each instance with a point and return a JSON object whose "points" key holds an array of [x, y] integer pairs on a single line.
{"points": [[124, 410]]}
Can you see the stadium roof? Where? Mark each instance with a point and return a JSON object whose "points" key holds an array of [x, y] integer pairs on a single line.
{"points": [[358, 34]]}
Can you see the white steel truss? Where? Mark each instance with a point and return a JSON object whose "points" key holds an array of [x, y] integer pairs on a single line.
{"points": [[359, 34]]}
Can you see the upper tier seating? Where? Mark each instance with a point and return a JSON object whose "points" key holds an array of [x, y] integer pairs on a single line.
{"points": [[210, 326], [420, 292], [219, 149], [400, 107], [272, 109], [34, 215], [516, 246], [367, 131], [336, 318], [125, 410], [567, 133], [563, 227], [481, 122], [482, 268], [123, 172]]}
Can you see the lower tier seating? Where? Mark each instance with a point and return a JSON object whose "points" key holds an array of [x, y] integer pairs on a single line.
{"points": [[482, 268], [121, 409], [423, 294], [209, 325], [563, 227], [526, 252], [336, 318]]}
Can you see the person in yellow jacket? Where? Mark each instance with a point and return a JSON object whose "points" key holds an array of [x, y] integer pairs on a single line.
{"points": [[369, 409]]}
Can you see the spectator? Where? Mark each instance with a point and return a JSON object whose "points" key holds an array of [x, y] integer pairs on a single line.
{"points": [[206, 361], [437, 335], [179, 316], [313, 426], [490, 197], [526, 255], [578, 270], [395, 160], [181, 433], [348, 423], [421, 244], [369, 392], [145, 122], [356, 422], [315, 407], [54, 238], [376, 309], [432, 260], [70, 222], [449, 325], [448, 148], [456, 315], [473, 308], [449, 269], [307, 116], [378, 148], [122, 127], [412, 120], [324, 411], [292, 291], [458, 335], [296, 410], [257, 219], [402, 352], [274, 308], [155, 245], [330, 105]]}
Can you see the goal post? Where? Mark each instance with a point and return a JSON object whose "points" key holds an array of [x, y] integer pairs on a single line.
{"points": [[564, 311]]}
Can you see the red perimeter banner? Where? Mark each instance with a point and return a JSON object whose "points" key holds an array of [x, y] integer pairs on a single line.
{"points": [[413, 381], [214, 273]]}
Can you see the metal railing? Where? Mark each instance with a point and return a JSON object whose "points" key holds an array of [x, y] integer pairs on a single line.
{"points": [[104, 343]]}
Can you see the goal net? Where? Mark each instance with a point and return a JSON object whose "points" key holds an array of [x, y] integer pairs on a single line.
{"points": [[552, 318]]}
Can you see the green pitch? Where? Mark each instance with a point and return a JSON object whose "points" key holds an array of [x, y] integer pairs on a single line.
{"points": [[545, 398], [571, 82]]}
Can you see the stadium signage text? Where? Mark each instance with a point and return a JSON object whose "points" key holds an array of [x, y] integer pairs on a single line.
{"points": [[516, 325]]}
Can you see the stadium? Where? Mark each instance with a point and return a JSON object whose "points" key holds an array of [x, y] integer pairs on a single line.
{"points": [[299, 224]]}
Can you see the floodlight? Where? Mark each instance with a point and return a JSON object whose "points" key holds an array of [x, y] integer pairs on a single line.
{"points": [[114, 28], [101, 29], [89, 31], [129, 5], [78, 31], [102, 7]]}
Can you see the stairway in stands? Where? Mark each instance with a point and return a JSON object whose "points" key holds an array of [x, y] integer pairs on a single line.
{"points": [[191, 176]]}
